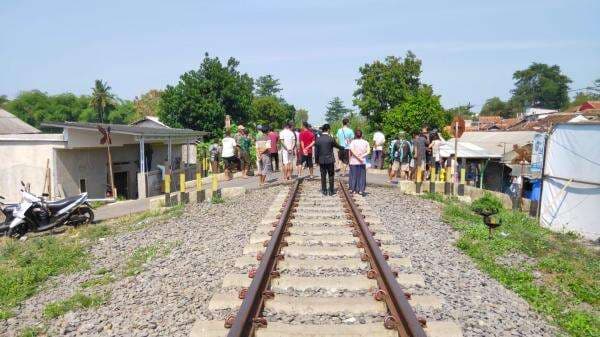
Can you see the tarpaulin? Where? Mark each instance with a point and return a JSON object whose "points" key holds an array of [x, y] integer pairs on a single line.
{"points": [[571, 185]]}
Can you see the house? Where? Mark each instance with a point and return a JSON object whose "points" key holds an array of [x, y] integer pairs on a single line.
{"points": [[547, 122], [485, 150], [10, 124], [489, 122], [74, 161], [589, 105], [149, 122], [537, 113]]}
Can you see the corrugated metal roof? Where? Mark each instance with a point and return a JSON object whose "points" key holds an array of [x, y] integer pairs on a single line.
{"points": [[10, 124], [465, 150], [129, 129], [496, 143]]}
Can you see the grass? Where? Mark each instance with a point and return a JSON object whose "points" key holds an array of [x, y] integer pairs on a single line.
{"points": [[561, 278], [217, 199], [26, 265], [98, 281], [75, 302], [32, 331], [142, 255]]}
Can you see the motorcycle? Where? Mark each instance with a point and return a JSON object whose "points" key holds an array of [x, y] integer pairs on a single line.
{"points": [[35, 214]]}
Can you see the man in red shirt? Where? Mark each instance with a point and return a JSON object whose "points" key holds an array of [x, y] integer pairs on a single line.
{"points": [[307, 141], [273, 152]]}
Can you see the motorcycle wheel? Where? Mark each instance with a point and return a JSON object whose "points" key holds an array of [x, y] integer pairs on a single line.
{"points": [[87, 213], [17, 232]]}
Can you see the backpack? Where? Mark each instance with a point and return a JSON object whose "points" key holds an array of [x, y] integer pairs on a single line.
{"points": [[396, 149]]}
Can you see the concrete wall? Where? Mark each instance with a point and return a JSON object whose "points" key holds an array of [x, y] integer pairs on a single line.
{"points": [[92, 165], [26, 161]]}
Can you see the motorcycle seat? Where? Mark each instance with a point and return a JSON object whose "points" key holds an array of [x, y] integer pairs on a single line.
{"points": [[60, 204]]}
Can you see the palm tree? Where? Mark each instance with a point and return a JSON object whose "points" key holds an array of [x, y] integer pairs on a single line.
{"points": [[101, 98]]}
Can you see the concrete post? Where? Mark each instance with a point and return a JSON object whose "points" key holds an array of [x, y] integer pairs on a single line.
{"points": [[184, 197]]}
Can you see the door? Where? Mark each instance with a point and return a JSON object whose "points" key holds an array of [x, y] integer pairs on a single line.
{"points": [[121, 184]]}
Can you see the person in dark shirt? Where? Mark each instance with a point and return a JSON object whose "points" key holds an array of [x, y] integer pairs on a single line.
{"points": [[325, 158]]}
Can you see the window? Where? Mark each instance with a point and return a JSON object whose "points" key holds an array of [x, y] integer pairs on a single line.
{"points": [[82, 187]]}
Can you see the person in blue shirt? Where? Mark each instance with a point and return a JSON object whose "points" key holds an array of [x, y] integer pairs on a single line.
{"points": [[345, 135]]}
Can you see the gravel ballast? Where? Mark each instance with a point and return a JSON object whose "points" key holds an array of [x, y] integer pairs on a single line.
{"points": [[172, 290], [481, 305]]}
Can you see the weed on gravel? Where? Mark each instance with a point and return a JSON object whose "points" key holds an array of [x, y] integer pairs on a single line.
{"points": [[26, 265], [142, 255], [561, 278], [77, 301], [33, 331]]}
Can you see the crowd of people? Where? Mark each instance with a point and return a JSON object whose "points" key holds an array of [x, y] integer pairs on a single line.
{"points": [[295, 150]]}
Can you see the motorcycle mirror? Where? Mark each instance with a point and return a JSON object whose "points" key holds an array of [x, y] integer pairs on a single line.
{"points": [[46, 195], [22, 183], [1, 197]]}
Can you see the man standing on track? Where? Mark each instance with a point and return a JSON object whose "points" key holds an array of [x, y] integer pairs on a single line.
{"points": [[307, 141], [324, 156], [288, 148], [345, 135]]}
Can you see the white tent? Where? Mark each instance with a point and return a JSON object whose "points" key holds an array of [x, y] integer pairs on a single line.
{"points": [[571, 184]]}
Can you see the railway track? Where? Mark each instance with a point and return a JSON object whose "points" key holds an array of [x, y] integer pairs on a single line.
{"points": [[321, 266]]}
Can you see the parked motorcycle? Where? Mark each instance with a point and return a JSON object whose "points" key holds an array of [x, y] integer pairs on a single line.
{"points": [[35, 214]]}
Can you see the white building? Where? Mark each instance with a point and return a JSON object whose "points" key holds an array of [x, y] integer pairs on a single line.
{"points": [[74, 161]]}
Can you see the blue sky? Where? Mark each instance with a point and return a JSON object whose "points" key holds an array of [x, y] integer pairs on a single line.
{"points": [[469, 49]]}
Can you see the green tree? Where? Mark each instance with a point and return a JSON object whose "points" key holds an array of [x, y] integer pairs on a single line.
{"points": [[385, 85], [300, 117], [123, 113], [147, 104], [462, 110], [267, 86], [36, 107], [336, 110], [540, 85], [269, 110], [418, 109], [203, 97], [496, 107], [3, 100], [102, 99]]}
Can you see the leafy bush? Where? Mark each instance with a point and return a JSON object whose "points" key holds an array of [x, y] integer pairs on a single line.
{"points": [[488, 204]]}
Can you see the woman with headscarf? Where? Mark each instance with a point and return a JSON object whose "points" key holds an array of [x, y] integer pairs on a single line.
{"points": [[359, 149]]}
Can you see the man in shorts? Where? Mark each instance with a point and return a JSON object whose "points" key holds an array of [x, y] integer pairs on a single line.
{"points": [[307, 141], [344, 135], [228, 146], [263, 145], [288, 148]]}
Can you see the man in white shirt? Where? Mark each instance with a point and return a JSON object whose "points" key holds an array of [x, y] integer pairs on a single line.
{"points": [[378, 142], [288, 149], [228, 153]]}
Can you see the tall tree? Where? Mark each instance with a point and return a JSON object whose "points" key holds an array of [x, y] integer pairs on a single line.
{"points": [[336, 110], [300, 117], [497, 107], [3, 100], [541, 85], [385, 85], [417, 110], [269, 110], [267, 85], [462, 110], [123, 113], [203, 97], [36, 107], [102, 99], [147, 104]]}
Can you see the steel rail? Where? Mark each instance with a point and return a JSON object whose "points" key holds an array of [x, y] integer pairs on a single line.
{"points": [[250, 310], [405, 320]]}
